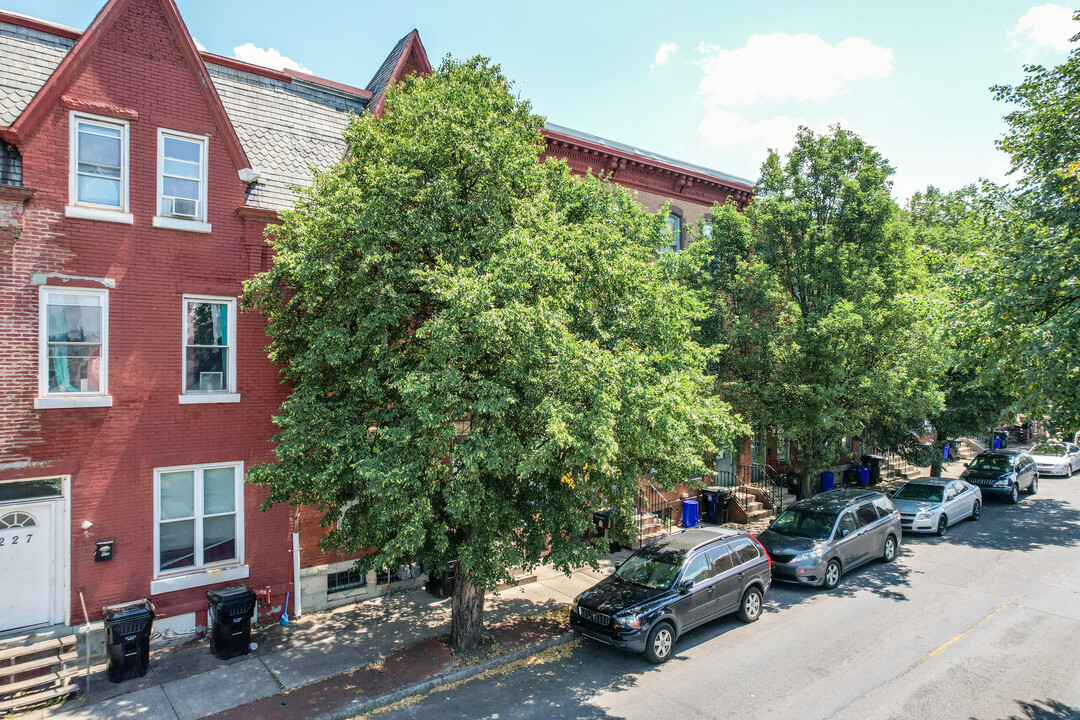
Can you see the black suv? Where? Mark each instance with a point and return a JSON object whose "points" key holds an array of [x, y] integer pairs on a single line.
{"points": [[1003, 473], [672, 585]]}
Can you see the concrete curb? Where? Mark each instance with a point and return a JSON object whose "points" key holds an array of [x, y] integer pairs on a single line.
{"points": [[363, 705]]}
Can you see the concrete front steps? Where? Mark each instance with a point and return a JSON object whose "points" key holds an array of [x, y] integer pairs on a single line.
{"points": [[33, 671]]}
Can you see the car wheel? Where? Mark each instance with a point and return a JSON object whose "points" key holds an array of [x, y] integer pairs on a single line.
{"points": [[1014, 495], [976, 510], [942, 525], [888, 552], [658, 646], [750, 608], [1034, 486], [832, 574]]}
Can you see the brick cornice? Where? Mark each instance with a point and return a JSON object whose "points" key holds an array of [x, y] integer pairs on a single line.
{"points": [[638, 172]]}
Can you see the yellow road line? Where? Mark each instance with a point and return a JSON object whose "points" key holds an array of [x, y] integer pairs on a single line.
{"points": [[968, 629]]}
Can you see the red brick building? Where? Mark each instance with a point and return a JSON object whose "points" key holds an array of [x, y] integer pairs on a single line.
{"points": [[137, 176]]}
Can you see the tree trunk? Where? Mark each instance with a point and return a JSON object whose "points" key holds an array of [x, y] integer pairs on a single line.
{"points": [[935, 466], [467, 614]]}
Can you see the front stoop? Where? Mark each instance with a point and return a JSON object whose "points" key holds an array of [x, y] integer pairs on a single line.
{"points": [[35, 672]]}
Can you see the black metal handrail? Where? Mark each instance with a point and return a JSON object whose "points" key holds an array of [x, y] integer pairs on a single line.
{"points": [[650, 501]]}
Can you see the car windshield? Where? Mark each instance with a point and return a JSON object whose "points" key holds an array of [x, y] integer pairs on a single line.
{"points": [[654, 569], [920, 493], [800, 522], [1049, 449], [997, 463]]}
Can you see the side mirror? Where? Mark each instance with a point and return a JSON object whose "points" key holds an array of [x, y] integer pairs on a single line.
{"points": [[844, 532], [965, 464], [685, 586]]}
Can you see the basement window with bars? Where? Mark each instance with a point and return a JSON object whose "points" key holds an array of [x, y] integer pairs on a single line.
{"points": [[350, 579]]}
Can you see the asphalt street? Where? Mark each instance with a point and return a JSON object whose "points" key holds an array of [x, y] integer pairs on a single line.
{"points": [[983, 623]]}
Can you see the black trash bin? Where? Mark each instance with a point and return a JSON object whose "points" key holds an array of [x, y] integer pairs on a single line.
{"points": [[715, 501], [874, 463], [230, 620], [127, 639]]}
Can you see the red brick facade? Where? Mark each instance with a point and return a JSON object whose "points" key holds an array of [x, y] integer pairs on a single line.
{"points": [[138, 71]]}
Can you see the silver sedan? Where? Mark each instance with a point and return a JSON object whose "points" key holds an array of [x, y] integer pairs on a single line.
{"points": [[933, 504], [1056, 458]]}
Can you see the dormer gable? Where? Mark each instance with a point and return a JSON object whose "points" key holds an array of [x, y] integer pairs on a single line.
{"points": [[151, 31], [407, 57]]}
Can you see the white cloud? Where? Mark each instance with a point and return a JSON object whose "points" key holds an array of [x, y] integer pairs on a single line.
{"points": [[664, 53], [198, 45], [776, 68], [731, 129], [789, 67], [1045, 26], [270, 58]]}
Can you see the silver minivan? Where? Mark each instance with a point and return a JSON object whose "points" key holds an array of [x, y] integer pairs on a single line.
{"points": [[816, 540]]}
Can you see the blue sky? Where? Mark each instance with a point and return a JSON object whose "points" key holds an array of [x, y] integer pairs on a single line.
{"points": [[712, 82]]}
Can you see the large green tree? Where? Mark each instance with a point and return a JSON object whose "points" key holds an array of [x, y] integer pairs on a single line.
{"points": [[953, 233], [481, 349], [817, 313], [1031, 303]]}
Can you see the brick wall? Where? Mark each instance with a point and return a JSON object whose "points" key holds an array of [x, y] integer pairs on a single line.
{"points": [[138, 69]]}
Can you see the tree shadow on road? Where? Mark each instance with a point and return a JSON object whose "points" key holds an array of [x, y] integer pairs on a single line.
{"points": [[1044, 710], [1033, 523], [886, 580]]}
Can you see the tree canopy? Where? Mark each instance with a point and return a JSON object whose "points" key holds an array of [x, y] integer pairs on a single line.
{"points": [[1031, 278], [822, 327], [481, 349]]}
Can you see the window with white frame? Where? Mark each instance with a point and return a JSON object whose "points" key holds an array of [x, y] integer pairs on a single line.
{"points": [[181, 181], [672, 234], [209, 346], [199, 519], [99, 167], [74, 342]]}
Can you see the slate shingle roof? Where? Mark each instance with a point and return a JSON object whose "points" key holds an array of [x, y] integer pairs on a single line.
{"points": [[28, 59], [382, 76], [285, 127]]}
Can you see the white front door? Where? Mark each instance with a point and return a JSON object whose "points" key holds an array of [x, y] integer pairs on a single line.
{"points": [[27, 556]]}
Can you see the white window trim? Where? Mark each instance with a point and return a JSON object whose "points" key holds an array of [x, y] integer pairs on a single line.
{"points": [[198, 398], [199, 574], [92, 211], [199, 225], [45, 400]]}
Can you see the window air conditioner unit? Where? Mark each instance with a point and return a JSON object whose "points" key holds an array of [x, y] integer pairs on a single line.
{"points": [[185, 208], [211, 381]]}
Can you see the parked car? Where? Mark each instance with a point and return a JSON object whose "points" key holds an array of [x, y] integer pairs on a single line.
{"points": [[1003, 473], [816, 540], [672, 585], [1056, 458], [932, 504]]}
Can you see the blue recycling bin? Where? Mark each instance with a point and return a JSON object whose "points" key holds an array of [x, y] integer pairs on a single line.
{"points": [[945, 452], [864, 474], [826, 481], [997, 441], [689, 513]]}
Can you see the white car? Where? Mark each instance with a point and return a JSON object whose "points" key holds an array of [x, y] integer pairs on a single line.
{"points": [[933, 504], [1056, 458]]}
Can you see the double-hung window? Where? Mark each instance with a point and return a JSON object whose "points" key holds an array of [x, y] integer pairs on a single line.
{"points": [[198, 524], [209, 350], [98, 187], [181, 181], [672, 234], [74, 348]]}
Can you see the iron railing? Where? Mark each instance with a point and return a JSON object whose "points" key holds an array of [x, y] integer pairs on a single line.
{"points": [[652, 507]]}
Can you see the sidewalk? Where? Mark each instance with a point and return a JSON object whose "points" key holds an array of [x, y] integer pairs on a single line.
{"points": [[325, 660]]}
